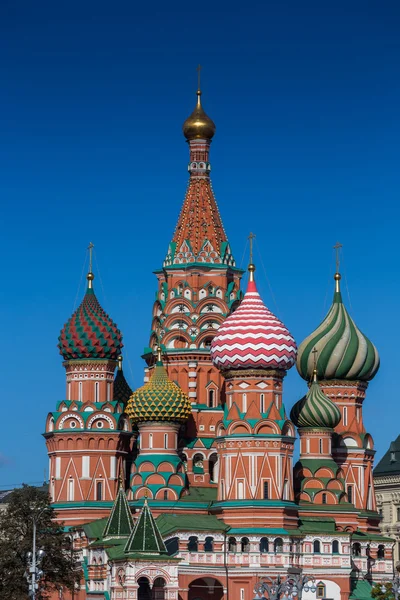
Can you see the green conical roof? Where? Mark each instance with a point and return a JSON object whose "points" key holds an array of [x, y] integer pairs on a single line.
{"points": [[315, 409], [145, 537], [120, 521], [159, 400], [343, 351]]}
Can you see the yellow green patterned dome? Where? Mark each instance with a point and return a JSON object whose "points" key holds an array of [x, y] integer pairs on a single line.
{"points": [[159, 400]]}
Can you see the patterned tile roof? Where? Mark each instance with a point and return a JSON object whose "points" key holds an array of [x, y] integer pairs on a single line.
{"points": [[159, 400], [253, 337], [315, 409], [343, 351], [90, 332], [120, 521], [145, 537]]}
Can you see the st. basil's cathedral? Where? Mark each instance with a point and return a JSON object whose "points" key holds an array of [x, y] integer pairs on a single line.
{"points": [[185, 489]]}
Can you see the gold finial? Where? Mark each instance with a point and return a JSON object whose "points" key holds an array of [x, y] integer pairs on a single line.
{"points": [[252, 267], [315, 355], [90, 275], [159, 357], [121, 482], [338, 276], [120, 359], [198, 85]]}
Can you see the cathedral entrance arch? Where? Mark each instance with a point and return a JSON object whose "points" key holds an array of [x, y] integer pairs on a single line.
{"points": [[206, 588]]}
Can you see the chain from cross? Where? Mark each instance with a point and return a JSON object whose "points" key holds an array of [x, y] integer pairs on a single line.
{"points": [[90, 248], [251, 237], [337, 247]]}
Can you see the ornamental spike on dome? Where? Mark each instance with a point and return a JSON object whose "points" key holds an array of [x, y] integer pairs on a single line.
{"points": [[90, 333], [343, 351], [315, 409], [198, 125], [253, 337], [159, 399]]}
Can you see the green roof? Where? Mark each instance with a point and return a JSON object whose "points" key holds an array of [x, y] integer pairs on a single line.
{"points": [[145, 537], [318, 525], [361, 591], [120, 521], [169, 523], [390, 462], [95, 529], [200, 494]]}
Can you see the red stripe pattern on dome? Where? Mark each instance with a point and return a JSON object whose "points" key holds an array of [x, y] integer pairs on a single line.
{"points": [[253, 338], [90, 332]]}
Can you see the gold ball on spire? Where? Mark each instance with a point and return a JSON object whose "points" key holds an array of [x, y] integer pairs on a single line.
{"points": [[198, 126]]}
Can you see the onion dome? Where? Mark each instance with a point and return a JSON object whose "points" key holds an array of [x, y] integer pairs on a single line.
{"points": [[315, 409], [343, 351], [253, 337], [159, 399], [90, 333], [122, 391], [198, 125]]}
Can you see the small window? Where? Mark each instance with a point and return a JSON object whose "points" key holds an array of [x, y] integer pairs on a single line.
{"points": [[345, 416], [265, 490], [320, 590], [278, 545], [165, 494], [96, 391], [211, 398], [356, 549], [165, 440], [398, 513], [320, 446], [262, 405], [209, 544], [244, 403], [264, 545], [381, 551], [193, 544], [323, 498], [335, 547], [240, 490], [245, 544], [350, 494], [70, 490], [317, 547], [80, 391], [99, 491]]}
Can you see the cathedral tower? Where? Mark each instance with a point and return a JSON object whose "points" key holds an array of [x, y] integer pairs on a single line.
{"points": [[89, 435]]}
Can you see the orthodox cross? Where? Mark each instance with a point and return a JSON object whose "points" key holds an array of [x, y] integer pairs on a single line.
{"points": [[251, 238], [315, 354], [198, 76], [337, 247], [90, 248]]}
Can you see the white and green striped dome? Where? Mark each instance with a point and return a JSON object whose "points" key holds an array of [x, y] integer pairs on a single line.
{"points": [[315, 409], [342, 351]]}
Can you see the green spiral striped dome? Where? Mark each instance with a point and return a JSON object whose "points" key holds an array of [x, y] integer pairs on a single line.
{"points": [[315, 409], [343, 352]]}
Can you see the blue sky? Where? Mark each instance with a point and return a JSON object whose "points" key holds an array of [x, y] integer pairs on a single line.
{"points": [[305, 96]]}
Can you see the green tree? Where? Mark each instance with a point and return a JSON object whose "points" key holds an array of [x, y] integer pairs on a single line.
{"points": [[377, 593], [59, 564]]}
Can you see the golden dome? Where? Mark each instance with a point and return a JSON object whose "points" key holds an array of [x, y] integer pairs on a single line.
{"points": [[198, 125]]}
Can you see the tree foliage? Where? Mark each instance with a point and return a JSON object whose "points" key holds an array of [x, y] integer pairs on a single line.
{"points": [[377, 593], [16, 531]]}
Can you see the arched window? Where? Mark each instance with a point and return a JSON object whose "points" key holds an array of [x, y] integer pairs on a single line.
{"points": [[278, 545], [209, 544], [317, 547], [335, 547], [96, 391], [198, 463], [213, 468], [99, 491], [232, 544], [245, 544], [264, 545], [381, 551], [240, 490], [211, 398], [144, 590], [193, 544], [158, 591], [356, 549]]}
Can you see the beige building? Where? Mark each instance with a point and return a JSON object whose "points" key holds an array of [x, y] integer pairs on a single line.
{"points": [[387, 489]]}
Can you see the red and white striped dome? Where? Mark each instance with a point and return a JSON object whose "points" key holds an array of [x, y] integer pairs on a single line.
{"points": [[253, 338]]}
